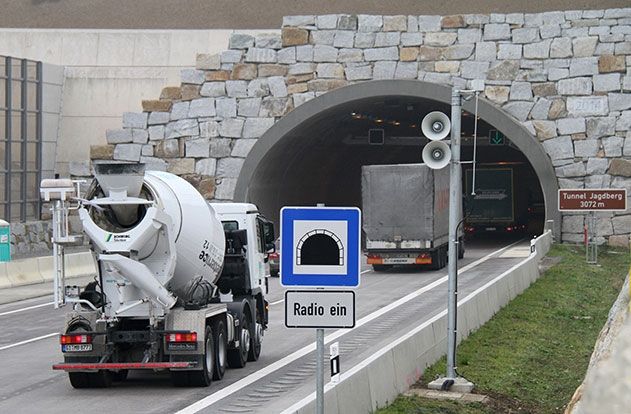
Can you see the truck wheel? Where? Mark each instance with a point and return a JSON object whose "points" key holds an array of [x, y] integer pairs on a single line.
{"points": [[237, 358], [256, 335], [381, 268], [204, 377], [100, 379], [221, 346]]}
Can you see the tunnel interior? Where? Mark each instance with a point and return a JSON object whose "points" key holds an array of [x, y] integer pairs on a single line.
{"points": [[320, 160]]}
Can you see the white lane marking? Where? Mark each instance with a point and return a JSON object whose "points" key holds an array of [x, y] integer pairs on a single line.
{"points": [[282, 300], [27, 308], [28, 341], [363, 364], [263, 372]]}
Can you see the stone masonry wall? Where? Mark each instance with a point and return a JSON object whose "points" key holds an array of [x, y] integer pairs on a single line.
{"points": [[566, 76]]}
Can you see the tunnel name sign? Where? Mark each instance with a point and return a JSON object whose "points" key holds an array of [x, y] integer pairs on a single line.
{"points": [[604, 199], [320, 250]]}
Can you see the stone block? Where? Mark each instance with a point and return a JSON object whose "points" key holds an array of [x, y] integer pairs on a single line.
{"points": [[559, 147], [168, 148], [231, 127], [171, 93], [139, 136], [611, 63], [300, 98], [206, 61], [135, 120], [557, 109], [408, 54], [429, 23], [438, 38], [156, 105], [504, 70], [394, 23], [469, 35], [509, 51], [447, 66], [236, 88], [584, 46], [569, 126], [302, 69], [325, 85], [596, 166], [600, 127], [256, 127], [538, 50], [193, 76], [286, 55], [607, 83], [555, 74], [540, 109], [249, 107], [613, 146], [545, 129], [328, 70], [350, 55], [303, 20], [619, 241], [549, 30], [474, 70], [258, 55], [561, 47], [182, 128], [412, 24], [268, 41], [203, 107], [197, 148], [620, 167], [244, 71], [275, 107], [297, 88], [598, 181], [452, 22], [240, 41], [209, 129], [226, 107], [573, 170], [225, 188], [575, 86], [304, 53], [344, 38], [544, 89], [242, 147], [322, 37], [277, 86], [127, 152], [179, 110], [258, 88], [179, 166], [156, 132], [383, 53], [118, 136], [347, 22], [364, 40], [190, 92], [363, 72], [455, 52], [101, 152], [406, 70], [146, 151], [520, 91], [229, 167], [519, 110], [572, 224], [369, 23], [220, 147], [496, 94], [323, 53], [328, 21], [153, 164], [158, 118], [626, 149], [213, 89], [583, 66], [587, 106], [387, 39], [384, 70], [619, 101], [586, 148], [621, 224], [485, 51], [206, 166], [231, 56], [497, 31], [525, 35]]}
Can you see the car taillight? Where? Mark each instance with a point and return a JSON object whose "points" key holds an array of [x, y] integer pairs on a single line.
{"points": [[423, 258], [273, 256], [75, 339], [182, 337]]}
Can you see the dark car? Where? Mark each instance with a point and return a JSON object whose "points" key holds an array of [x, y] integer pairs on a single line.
{"points": [[274, 260]]}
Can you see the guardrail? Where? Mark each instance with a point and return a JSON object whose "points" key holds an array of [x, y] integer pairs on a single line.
{"points": [[377, 381]]}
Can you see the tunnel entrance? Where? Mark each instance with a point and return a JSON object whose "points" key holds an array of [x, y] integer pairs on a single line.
{"points": [[321, 248], [315, 153]]}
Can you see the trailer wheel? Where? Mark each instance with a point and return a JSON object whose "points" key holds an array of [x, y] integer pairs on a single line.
{"points": [[381, 268], [204, 377], [237, 358], [100, 379], [221, 346]]}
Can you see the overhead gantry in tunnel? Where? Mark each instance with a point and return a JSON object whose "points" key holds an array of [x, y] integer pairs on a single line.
{"points": [[315, 153]]}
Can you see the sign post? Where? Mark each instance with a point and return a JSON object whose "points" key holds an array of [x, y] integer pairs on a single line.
{"points": [[324, 251], [592, 201]]}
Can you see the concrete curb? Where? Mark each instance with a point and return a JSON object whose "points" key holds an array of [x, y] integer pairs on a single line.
{"points": [[40, 269], [378, 380]]}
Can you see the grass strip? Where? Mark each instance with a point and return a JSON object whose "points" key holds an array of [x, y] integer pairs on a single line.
{"points": [[533, 354]]}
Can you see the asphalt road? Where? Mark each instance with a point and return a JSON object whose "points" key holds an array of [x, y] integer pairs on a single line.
{"points": [[245, 14], [283, 375]]}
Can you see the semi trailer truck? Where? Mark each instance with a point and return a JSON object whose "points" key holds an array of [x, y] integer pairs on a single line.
{"points": [[406, 216], [180, 284]]}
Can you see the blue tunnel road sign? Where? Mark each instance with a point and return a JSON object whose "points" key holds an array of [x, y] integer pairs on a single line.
{"points": [[320, 246]]}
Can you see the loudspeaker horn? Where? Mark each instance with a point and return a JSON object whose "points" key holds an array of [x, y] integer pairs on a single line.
{"points": [[436, 155], [436, 125]]}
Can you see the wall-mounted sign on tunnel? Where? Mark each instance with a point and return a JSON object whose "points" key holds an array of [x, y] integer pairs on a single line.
{"points": [[321, 246]]}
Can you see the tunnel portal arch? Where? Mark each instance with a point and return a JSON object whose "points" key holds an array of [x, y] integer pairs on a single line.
{"points": [[519, 136]]}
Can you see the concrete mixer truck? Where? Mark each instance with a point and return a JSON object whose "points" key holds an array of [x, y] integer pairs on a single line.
{"points": [[180, 284]]}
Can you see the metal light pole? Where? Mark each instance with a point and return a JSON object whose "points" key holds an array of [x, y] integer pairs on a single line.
{"points": [[455, 195]]}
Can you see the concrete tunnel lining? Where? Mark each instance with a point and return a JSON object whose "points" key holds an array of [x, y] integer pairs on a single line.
{"points": [[519, 136]]}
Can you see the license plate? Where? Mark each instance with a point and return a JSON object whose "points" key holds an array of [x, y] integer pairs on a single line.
{"points": [[491, 229], [76, 348], [398, 261]]}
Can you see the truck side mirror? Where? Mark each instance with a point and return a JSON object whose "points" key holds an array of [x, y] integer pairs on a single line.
{"points": [[268, 232]]}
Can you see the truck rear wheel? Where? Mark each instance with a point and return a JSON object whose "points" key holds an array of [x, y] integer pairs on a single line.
{"points": [[221, 346], [100, 379], [203, 377], [237, 358]]}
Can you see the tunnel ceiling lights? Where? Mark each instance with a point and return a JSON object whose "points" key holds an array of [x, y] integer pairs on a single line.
{"points": [[378, 120]]}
